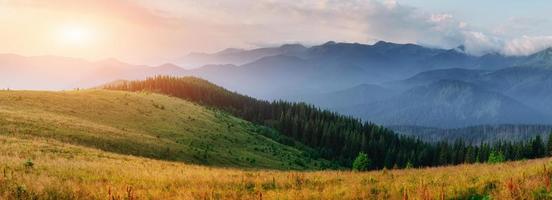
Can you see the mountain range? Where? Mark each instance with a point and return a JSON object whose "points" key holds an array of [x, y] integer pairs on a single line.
{"points": [[447, 103], [61, 73], [388, 83], [335, 66]]}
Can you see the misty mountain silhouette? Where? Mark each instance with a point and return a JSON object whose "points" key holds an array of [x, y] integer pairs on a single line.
{"points": [[334, 75], [447, 103]]}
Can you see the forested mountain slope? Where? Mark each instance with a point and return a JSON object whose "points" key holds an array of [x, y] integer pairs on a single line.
{"points": [[335, 137]]}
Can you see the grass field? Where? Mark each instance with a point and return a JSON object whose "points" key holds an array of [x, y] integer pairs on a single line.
{"points": [[97, 144], [48, 169], [147, 125]]}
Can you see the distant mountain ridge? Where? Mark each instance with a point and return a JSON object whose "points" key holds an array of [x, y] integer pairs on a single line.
{"points": [[542, 59], [334, 66], [447, 103], [357, 95], [238, 56], [333, 75], [60, 73], [344, 65]]}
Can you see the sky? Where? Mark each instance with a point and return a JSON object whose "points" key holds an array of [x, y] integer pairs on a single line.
{"points": [[158, 31]]}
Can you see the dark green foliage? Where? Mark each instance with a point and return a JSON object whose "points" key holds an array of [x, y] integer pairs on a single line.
{"points": [[335, 137], [495, 157], [362, 162], [549, 145], [409, 165], [537, 147], [542, 193], [477, 134]]}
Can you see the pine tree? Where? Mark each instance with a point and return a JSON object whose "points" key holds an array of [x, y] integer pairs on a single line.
{"points": [[538, 149], [549, 145]]}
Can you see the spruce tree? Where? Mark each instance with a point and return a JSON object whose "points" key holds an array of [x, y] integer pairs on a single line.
{"points": [[549, 145]]}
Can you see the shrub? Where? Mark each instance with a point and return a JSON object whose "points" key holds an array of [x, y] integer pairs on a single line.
{"points": [[362, 162], [496, 157]]}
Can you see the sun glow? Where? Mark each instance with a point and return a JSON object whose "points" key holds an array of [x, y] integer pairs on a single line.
{"points": [[76, 35]]}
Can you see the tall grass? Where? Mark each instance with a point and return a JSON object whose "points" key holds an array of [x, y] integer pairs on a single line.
{"points": [[63, 171]]}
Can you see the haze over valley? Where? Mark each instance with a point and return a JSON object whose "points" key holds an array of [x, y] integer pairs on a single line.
{"points": [[387, 83]]}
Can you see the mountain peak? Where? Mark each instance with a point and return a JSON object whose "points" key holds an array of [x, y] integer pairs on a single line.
{"points": [[391, 45], [547, 51], [329, 43], [169, 66], [292, 46], [541, 59], [382, 43], [461, 48], [230, 51]]}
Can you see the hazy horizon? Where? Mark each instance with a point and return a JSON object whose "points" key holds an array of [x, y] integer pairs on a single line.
{"points": [[157, 32]]}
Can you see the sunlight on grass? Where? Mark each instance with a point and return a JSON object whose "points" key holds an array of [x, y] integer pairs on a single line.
{"points": [[62, 171]]}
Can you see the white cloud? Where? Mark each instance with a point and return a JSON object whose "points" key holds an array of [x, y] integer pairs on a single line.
{"points": [[478, 43], [319, 21], [248, 23], [197, 25], [527, 45]]}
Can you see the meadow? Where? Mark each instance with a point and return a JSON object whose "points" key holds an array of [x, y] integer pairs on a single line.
{"points": [[48, 169], [147, 125], [97, 144]]}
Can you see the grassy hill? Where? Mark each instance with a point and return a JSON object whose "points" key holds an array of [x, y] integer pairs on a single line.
{"points": [[34, 168], [333, 136], [146, 125], [98, 144]]}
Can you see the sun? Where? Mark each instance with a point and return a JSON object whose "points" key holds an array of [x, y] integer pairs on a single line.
{"points": [[75, 35]]}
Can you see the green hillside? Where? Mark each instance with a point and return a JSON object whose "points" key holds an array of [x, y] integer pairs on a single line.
{"points": [[334, 136], [147, 125]]}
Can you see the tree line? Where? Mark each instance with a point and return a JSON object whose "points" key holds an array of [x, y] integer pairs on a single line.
{"points": [[334, 136], [477, 134]]}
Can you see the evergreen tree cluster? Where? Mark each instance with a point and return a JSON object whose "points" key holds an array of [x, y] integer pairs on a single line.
{"points": [[336, 137]]}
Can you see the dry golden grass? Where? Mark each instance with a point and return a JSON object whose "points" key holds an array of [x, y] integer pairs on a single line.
{"points": [[63, 171]]}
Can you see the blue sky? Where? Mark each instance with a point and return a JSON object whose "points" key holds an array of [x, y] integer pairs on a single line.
{"points": [[489, 10], [490, 13]]}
